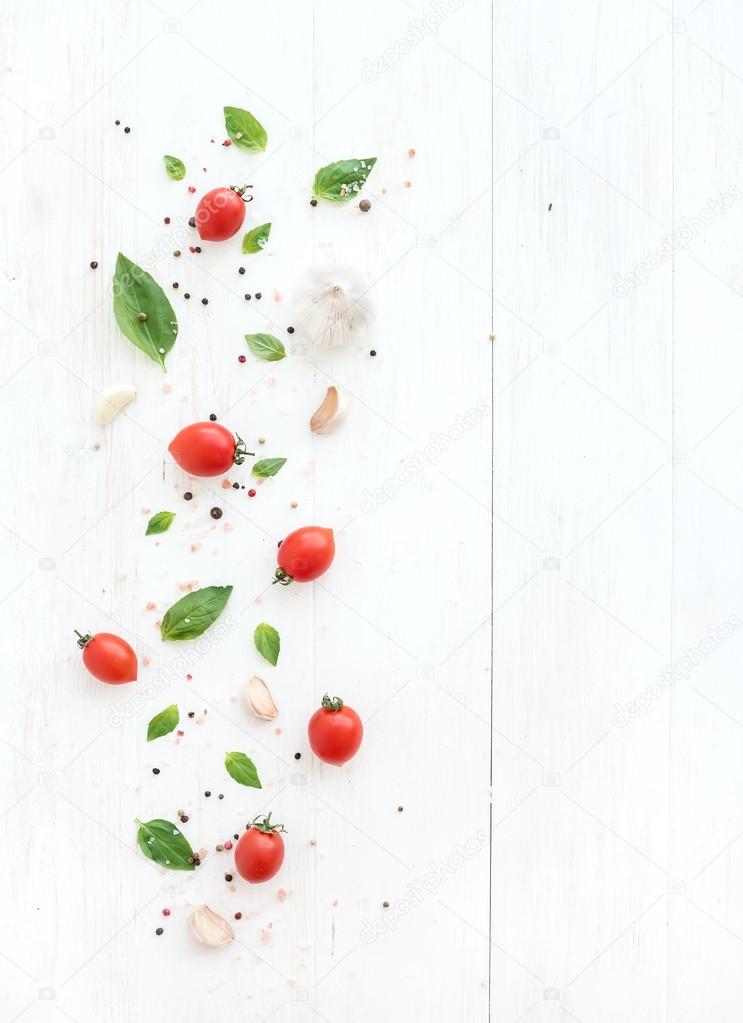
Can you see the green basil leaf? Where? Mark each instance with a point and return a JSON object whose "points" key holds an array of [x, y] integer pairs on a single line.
{"points": [[194, 613], [242, 769], [266, 346], [341, 181], [163, 843], [176, 169], [256, 239], [244, 130], [268, 467], [267, 642], [163, 723], [159, 523], [135, 292]]}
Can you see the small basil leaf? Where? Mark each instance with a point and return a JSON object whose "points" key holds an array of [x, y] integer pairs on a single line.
{"points": [[256, 239], [194, 613], [267, 642], [163, 843], [341, 181], [268, 467], [242, 769], [266, 346], [159, 523], [175, 168], [136, 294], [163, 723], [244, 130]]}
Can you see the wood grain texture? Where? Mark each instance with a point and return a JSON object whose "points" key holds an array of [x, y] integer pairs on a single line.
{"points": [[561, 724]]}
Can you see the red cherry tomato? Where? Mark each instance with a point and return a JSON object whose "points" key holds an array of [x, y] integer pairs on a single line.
{"points": [[260, 851], [335, 731], [108, 657], [207, 449], [305, 554], [220, 214]]}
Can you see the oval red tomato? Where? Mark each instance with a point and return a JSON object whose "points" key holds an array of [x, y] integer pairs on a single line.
{"points": [[220, 214], [335, 731], [305, 554], [207, 449], [260, 850], [108, 657]]}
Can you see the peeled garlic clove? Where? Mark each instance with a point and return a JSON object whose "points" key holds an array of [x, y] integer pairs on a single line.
{"points": [[259, 699], [211, 929], [331, 413], [113, 400]]}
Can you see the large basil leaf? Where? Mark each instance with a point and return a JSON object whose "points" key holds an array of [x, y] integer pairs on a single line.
{"points": [[244, 130], [163, 723], [267, 642], [242, 769], [176, 169], [266, 346], [159, 523], [163, 843], [342, 180], [194, 613], [268, 467], [256, 239], [136, 294]]}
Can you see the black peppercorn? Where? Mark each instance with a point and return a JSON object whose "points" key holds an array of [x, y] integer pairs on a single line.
{"points": [[290, 330], [186, 294], [159, 930], [205, 301], [297, 756], [313, 202], [197, 248], [216, 513], [221, 795], [364, 205], [175, 284], [93, 265], [236, 836], [248, 298], [117, 122], [241, 270], [176, 252], [187, 496], [235, 486], [155, 770], [212, 417], [207, 793], [184, 818], [228, 877], [258, 294], [191, 713], [373, 352], [192, 222], [127, 130]]}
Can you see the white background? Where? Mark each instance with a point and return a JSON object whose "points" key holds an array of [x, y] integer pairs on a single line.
{"points": [[556, 147]]}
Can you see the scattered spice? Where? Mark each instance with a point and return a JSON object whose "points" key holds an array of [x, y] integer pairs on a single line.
{"points": [[184, 818], [127, 130], [191, 713], [176, 252], [197, 249], [187, 496], [385, 904], [186, 294], [408, 184], [258, 294], [261, 440], [295, 504], [205, 301], [373, 352], [549, 208], [251, 492], [290, 330], [220, 848], [241, 270], [213, 417], [242, 358], [297, 756], [228, 877], [313, 202], [175, 285], [238, 916], [411, 153], [159, 930], [235, 486], [228, 845], [166, 912], [207, 793], [117, 122], [248, 298], [93, 265], [192, 220], [399, 809], [364, 205], [166, 220], [142, 317], [221, 795], [155, 770]]}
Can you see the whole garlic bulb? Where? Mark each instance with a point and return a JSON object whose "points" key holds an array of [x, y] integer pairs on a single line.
{"points": [[331, 306]]}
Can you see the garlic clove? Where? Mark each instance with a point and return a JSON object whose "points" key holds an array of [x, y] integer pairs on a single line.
{"points": [[331, 413], [211, 929], [113, 400], [259, 699]]}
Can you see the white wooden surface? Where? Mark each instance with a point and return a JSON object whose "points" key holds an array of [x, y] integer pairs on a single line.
{"points": [[557, 147]]}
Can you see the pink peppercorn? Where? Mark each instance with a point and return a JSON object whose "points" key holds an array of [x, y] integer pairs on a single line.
{"points": [[180, 732], [166, 912], [228, 845], [227, 142], [191, 189], [241, 358], [251, 493], [238, 916], [166, 220]]}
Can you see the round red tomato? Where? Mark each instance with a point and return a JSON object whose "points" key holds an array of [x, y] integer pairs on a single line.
{"points": [[305, 554], [207, 449], [108, 657], [260, 851], [335, 731], [220, 214]]}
